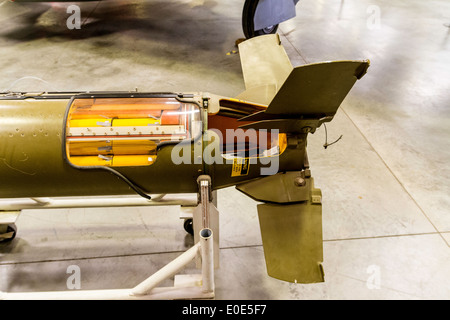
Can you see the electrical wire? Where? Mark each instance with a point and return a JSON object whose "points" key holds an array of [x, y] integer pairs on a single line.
{"points": [[131, 184], [326, 144], [29, 77]]}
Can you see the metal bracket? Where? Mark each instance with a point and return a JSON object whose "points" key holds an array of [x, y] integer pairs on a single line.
{"points": [[191, 286]]}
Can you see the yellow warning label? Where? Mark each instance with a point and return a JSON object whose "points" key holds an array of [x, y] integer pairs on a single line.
{"points": [[240, 167]]}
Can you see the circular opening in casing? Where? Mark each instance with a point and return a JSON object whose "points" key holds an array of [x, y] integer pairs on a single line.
{"points": [[206, 233]]}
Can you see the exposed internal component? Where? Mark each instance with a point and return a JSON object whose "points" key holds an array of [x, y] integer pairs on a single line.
{"points": [[118, 132]]}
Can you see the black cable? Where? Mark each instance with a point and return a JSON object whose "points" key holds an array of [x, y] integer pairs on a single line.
{"points": [[326, 144], [131, 184]]}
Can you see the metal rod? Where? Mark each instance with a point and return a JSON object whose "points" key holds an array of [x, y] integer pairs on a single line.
{"points": [[87, 202], [167, 271], [163, 293], [207, 245]]}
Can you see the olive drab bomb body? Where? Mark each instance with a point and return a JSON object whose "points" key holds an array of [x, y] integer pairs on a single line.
{"points": [[119, 143]]}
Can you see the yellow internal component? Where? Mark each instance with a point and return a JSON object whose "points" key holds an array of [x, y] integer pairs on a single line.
{"points": [[89, 148], [114, 161], [103, 122], [134, 122], [88, 161], [127, 161], [98, 122], [137, 147]]}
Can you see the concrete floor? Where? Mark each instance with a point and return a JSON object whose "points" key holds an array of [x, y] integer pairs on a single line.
{"points": [[385, 185]]}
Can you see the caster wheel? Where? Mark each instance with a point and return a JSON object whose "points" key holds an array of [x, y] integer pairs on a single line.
{"points": [[189, 226], [248, 16]]}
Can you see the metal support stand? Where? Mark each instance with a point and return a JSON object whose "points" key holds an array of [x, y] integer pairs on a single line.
{"points": [[190, 286]]}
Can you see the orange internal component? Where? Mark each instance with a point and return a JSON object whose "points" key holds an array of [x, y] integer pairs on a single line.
{"points": [[125, 131]]}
